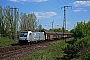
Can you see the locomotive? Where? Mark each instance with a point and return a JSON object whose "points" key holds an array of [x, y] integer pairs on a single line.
{"points": [[29, 36]]}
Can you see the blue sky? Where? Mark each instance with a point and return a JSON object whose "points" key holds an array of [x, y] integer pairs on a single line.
{"points": [[48, 11]]}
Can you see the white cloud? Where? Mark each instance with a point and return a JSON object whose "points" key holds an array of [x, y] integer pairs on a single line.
{"points": [[14, 0], [41, 15], [58, 16], [79, 10], [82, 3], [28, 0], [67, 22], [84, 10]]}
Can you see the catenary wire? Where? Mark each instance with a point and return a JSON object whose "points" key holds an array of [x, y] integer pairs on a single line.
{"points": [[64, 2], [60, 2], [53, 5]]}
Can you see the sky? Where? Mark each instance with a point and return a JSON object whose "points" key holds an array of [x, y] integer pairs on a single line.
{"points": [[48, 11]]}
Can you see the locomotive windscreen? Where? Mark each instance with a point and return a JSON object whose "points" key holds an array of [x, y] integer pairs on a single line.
{"points": [[23, 34]]}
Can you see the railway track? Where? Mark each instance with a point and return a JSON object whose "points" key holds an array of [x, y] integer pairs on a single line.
{"points": [[18, 52]]}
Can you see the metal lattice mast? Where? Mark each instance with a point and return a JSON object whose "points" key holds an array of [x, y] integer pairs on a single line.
{"points": [[14, 10], [64, 21], [52, 24]]}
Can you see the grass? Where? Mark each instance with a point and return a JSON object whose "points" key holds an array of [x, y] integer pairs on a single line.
{"points": [[52, 52], [4, 42]]}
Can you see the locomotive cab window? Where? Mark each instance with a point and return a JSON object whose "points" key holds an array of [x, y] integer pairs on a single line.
{"points": [[23, 34], [30, 34]]}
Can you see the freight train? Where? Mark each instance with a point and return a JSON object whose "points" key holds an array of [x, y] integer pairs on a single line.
{"points": [[29, 36]]}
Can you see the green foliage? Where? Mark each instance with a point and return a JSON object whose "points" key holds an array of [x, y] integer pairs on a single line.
{"points": [[11, 24], [81, 30], [4, 42], [8, 21], [40, 55], [83, 45], [57, 30], [76, 48], [28, 21], [71, 51], [87, 56], [83, 42], [71, 41], [39, 28]]}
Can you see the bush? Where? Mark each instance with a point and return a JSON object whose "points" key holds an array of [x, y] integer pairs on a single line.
{"points": [[87, 56], [71, 51], [74, 46], [4, 42], [71, 41], [80, 43]]}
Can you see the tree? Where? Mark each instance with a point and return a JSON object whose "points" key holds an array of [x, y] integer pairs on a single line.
{"points": [[1, 18], [23, 21], [33, 21], [57, 30], [82, 29], [8, 21], [28, 22], [87, 28], [39, 28]]}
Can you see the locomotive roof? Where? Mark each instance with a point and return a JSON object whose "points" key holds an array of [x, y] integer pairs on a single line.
{"points": [[51, 32]]}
